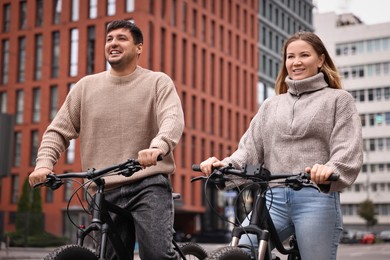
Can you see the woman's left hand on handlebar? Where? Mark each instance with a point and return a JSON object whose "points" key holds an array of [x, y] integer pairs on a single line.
{"points": [[319, 173], [207, 166]]}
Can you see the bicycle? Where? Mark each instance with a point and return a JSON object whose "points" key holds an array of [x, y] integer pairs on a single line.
{"points": [[260, 222], [101, 221]]}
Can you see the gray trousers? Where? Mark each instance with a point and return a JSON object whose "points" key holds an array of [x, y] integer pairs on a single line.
{"points": [[150, 204]]}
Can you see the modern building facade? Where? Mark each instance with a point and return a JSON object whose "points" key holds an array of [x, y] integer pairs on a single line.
{"points": [[362, 54], [209, 48], [278, 19]]}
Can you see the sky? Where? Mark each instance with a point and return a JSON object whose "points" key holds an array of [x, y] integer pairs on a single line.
{"points": [[369, 11]]}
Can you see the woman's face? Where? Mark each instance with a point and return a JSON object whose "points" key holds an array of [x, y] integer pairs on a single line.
{"points": [[302, 60]]}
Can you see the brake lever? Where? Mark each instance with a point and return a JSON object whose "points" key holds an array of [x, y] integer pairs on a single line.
{"points": [[53, 182]]}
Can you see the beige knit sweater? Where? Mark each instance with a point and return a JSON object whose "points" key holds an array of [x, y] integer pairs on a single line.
{"points": [[310, 124], [115, 117]]}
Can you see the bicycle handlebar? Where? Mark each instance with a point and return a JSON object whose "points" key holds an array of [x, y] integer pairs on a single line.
{"points": [[128, 168], [258, 174]]}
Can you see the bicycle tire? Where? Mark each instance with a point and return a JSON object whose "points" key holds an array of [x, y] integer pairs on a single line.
{"points": [[229, 253], [193, 251], [71, 252]]}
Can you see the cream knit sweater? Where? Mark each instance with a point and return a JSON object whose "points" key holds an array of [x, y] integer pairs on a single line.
{"points": [[115, 117], [310, 124]]}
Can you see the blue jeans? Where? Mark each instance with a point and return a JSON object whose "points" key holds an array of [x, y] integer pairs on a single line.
{"points": [[315, 218], [151, 205]]}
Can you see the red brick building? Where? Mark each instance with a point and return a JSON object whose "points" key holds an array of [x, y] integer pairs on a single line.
{"points": [[209, 48]]}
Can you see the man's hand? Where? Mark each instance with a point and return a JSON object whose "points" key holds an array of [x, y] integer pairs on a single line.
{"points": [[38, 176], [148, 157]]}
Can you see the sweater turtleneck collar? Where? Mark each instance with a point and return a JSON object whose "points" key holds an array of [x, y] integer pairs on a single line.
{"points": [[311, 84], [123, 79]]}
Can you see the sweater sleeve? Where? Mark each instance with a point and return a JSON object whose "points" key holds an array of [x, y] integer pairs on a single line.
{"points": [[346, 145], [64, 127], [170, 116]]}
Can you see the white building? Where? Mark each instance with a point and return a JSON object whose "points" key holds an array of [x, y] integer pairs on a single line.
{"points": [[362, 54]]}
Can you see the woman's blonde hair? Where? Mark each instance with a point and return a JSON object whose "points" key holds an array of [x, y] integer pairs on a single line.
{"points": [[329, 70]]}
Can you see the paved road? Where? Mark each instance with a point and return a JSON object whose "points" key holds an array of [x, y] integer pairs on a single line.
{"points": [[346, 252]]}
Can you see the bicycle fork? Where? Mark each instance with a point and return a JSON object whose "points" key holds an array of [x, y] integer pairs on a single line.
{"points": [[263, 237]]}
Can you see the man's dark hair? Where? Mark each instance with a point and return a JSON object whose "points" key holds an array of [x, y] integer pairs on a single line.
{"points": [[135, 31]]}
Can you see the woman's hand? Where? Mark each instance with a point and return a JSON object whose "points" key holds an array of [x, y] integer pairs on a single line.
{"points": [[208, 166], [319, 173]]}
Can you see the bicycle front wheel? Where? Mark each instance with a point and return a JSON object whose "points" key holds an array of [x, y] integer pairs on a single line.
{"points": [[193, 251], [71, 252], [229, 253]]}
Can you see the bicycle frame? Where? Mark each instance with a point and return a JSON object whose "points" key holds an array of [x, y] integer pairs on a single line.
{"points": [[102, 221], [261, 224]]}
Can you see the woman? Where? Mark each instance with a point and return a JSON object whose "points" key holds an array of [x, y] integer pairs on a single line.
{"points": [[313, 125]]}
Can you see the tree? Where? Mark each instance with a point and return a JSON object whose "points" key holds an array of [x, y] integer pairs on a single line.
{"points": [[367, 211], [29, 217]]}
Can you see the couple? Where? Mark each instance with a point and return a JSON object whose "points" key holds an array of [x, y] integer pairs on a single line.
{"points": [[132, 112]]}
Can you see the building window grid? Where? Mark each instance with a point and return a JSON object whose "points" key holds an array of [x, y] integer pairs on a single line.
{"points": [[17, 149], [3, 102]]}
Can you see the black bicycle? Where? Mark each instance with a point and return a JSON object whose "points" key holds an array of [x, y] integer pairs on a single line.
{"points": [[260, 222], [101, 221]]}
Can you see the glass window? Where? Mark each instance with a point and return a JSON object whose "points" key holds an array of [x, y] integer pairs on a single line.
{"points": [[19, 106], [363, 119], [21, 59], [93, 8], [55, 59], [74, 52], [68, 190], [380, 144], [36, 109], [57, 7], [22, 15], [387, 93], [361, 95], [111, 5], [34, 147], [387, 118], [91, 50], [70, 152], [53, 101], [372, 144], [39, 13], [378, 94], [3, 102], [130, 5], [6, 17], [370, 95], [17, 148], [15, 189], [38, 57], [5, 62], [75, 10], [371, 119]]}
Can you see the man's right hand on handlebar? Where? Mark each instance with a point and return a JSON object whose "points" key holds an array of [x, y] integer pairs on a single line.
{"points": [[38, 176], [149, 157], [208, 166]]}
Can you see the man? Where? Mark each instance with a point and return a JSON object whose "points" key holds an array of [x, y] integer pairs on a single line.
{"points": [[126, 112]]}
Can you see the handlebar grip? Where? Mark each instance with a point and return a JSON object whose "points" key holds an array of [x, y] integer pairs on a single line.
{"points": [[196, 168], [333, 177]]}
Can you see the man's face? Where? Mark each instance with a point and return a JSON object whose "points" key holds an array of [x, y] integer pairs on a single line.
{"points": [[120, 50]]}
